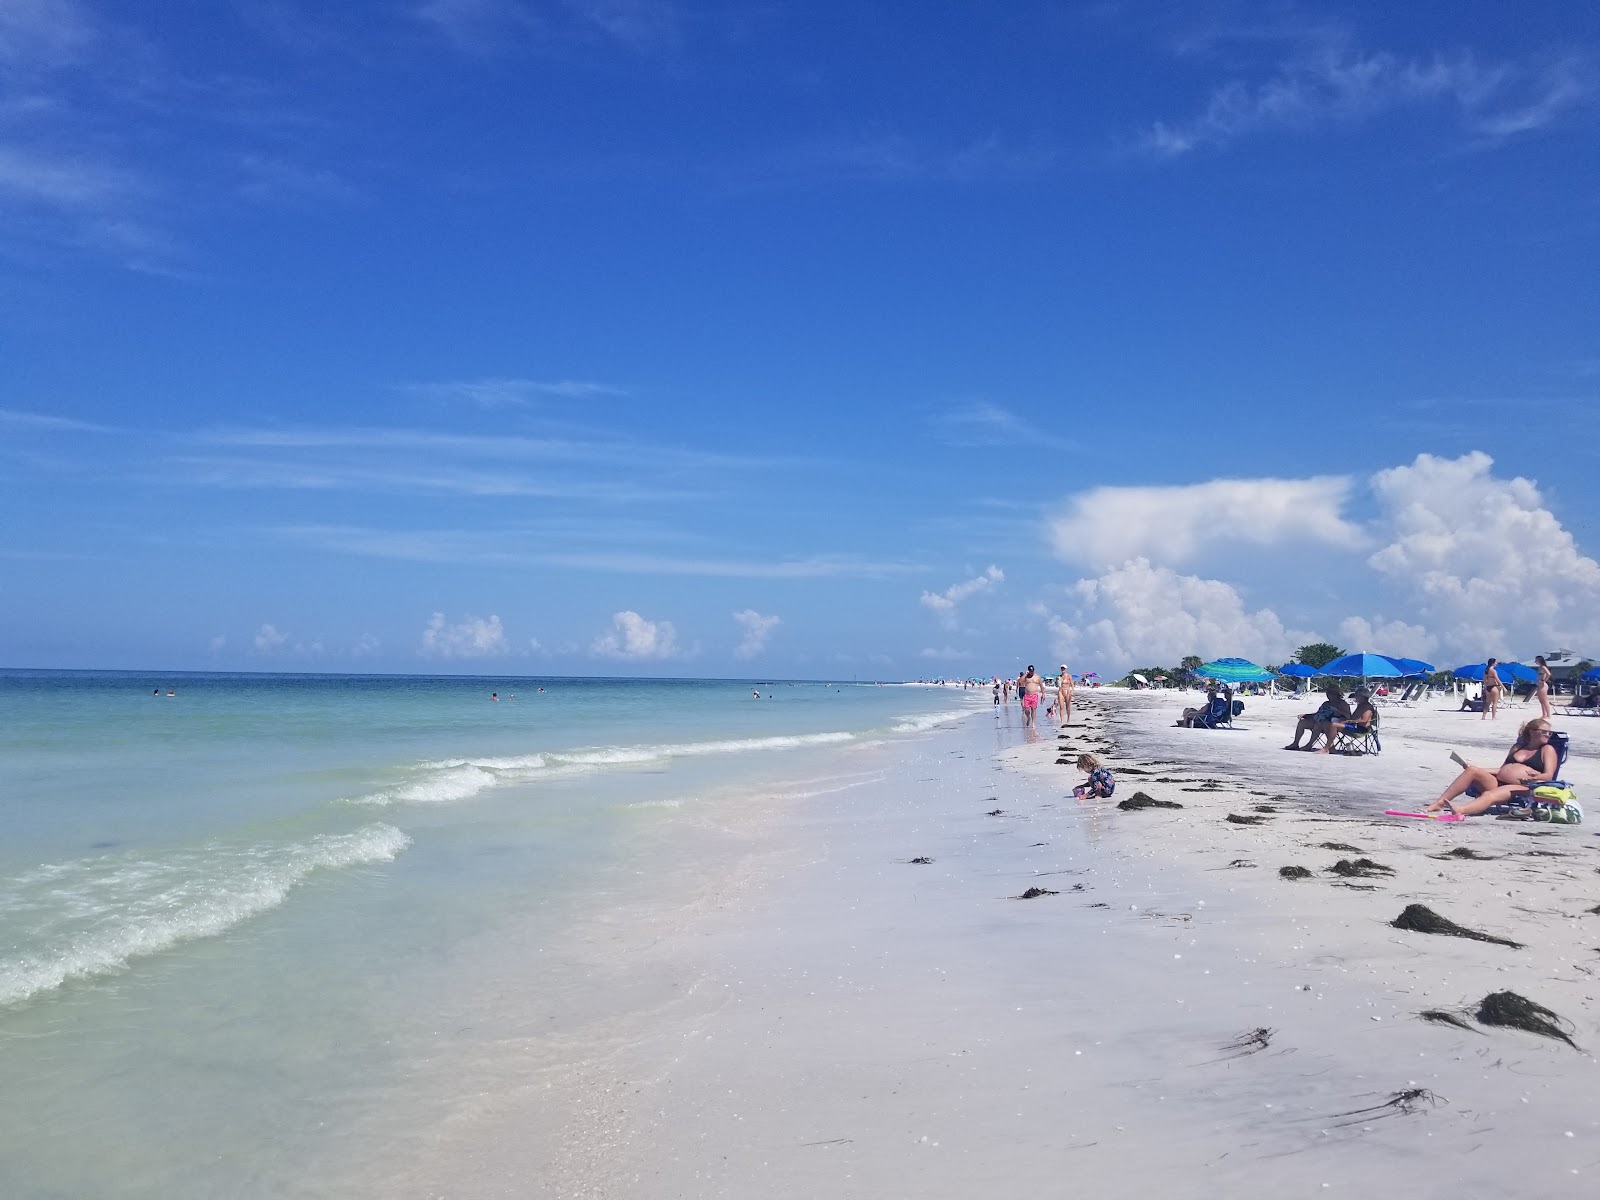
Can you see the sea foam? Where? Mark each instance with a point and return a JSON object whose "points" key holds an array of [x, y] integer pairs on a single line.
{"points": [[93, 916]]}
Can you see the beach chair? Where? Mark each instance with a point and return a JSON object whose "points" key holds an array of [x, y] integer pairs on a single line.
{"points": [[1219, 714], [1358, 739], [1553, 800]]}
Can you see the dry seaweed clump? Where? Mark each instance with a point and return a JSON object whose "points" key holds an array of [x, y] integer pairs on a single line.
{"points": [[1465, 852], [921, 860], [1034, 893], [1141, 800], [1294, 873], [1419, 918], [1345, 846], [1361, 868], [1236, 819], [1518, 1012]]}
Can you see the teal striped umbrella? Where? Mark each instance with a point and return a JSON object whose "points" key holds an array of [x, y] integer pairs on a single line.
{"points": [[1234, 670]]}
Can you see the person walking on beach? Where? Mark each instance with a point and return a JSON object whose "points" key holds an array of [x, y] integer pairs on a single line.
{"points": [[1541, 690], [1064, 694], [1031, 687], [1492, 687]]}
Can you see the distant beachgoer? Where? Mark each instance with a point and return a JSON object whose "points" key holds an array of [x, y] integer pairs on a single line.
{"points": [[997, 693], [170, 692], [1532, 760], [1492, 687], [494, 696], [157, 692], [1190, 715], [1331, 710], [1064, 694], [755, 693], [1541, 690]]}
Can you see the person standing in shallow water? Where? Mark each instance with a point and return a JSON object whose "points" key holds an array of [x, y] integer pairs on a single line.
{"points": [[1492, 687], [1031, 687]]}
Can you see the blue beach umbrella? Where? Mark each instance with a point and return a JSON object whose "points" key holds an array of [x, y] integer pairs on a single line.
{"points": [[1361, 666], [1410, 666], [1234, 670], [1506, 670], [1298, 670], [1592, 673]]}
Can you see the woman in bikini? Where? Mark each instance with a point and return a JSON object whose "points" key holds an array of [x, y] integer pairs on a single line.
{"points": [[1541, 690], [1531, 761], [1491, 691]]}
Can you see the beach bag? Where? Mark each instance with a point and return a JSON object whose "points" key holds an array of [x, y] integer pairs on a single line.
{"points": [[1557, 804]]}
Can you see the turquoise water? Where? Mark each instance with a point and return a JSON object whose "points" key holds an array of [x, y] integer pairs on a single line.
{"points": [[223, 912]]}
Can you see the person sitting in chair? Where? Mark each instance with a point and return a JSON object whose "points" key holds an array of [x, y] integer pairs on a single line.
{"points": [[1531, 761], [1192, 715], [1332, 709], [1357, 722], [1472, 703]]}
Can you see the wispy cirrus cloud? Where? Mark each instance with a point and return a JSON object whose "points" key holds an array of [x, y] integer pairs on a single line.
{"points": [[509, 393], [984, 423], [947, 604], [47, 423], [492, 27], [573, 548], [1331, 82]]}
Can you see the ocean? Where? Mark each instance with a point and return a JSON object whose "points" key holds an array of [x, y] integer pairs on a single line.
{"points": [[233, 906]]}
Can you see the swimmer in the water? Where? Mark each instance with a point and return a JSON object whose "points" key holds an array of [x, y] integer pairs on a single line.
{"points": [[494, 696]]}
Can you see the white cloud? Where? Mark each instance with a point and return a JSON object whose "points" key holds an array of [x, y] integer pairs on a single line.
{"points": [[981, 423], [365, 645], [1175, 524], [1138, 614], [268, 639], [1335, 84], [1489, 567], [633, 637], [219, 642], [946, 603], [505, 393], [475, 637], [757, 628], [1396, 638]]}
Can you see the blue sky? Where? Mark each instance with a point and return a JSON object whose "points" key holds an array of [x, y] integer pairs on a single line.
{"points": [[637, 336]]}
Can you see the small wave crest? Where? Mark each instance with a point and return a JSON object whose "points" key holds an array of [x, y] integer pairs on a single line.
{"points": [[93, 916], [922, 722]]}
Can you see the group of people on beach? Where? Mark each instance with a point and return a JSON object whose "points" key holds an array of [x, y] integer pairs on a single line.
{"points": [[1029, 687], [1494, 687]]}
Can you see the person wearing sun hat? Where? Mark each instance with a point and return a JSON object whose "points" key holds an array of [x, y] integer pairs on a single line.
{"points": [[1360, 719], [1064, 694]]}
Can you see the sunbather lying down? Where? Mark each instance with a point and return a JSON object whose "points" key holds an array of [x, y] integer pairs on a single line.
{"points": [[1531, 761]]}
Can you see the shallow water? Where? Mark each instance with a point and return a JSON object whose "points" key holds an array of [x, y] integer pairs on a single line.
{"points": [[228, 916]]}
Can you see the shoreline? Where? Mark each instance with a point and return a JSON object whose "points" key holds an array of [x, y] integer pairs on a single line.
{"points": [[850, 1023]]}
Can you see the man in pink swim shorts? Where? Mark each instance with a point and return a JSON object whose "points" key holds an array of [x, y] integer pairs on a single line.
{"points": [[1032, 688]]}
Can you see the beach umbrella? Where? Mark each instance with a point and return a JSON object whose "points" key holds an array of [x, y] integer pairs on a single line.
{"points": [[1410, 666], [1591, 674], [1234, 670], [1361, 666], [1298, 670], [1506, 670]]}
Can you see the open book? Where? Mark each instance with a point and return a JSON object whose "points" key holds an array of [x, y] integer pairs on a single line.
{"points": [[1458, 759]]}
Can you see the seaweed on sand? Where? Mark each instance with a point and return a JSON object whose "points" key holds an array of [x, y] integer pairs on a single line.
{"points": [[1256, 1039], [1439, 1017], [1294, 873], [921, 860], [1034, 893], [1141, 800], [1361, 868], [1402, 1104], [1241, 862], [1419, 918], [1518, 1012], [1340, 846], [1236, 819], [1465, 852], [1266, 808], [1595, 911], [994, 812]]}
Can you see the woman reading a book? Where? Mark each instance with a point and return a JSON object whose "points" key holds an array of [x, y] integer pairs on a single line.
{"points": [[1532, 760]]}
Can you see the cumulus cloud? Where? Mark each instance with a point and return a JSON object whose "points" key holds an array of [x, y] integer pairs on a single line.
{"points": [[268, 639], [633, 637], [1109, 525], [757, 628], [1490, 568], [1137, 613], [945, 604], [475, 637], [1379, 636]]}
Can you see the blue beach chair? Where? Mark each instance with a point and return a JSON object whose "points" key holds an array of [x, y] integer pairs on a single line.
{"points": [[1554, 800], [1358, 739]]}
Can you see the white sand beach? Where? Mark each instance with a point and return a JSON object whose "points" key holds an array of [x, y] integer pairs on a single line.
{"points": [[791, 1007]]}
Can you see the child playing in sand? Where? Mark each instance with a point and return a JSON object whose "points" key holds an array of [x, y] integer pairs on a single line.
{"points": [[1100, 782]]}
